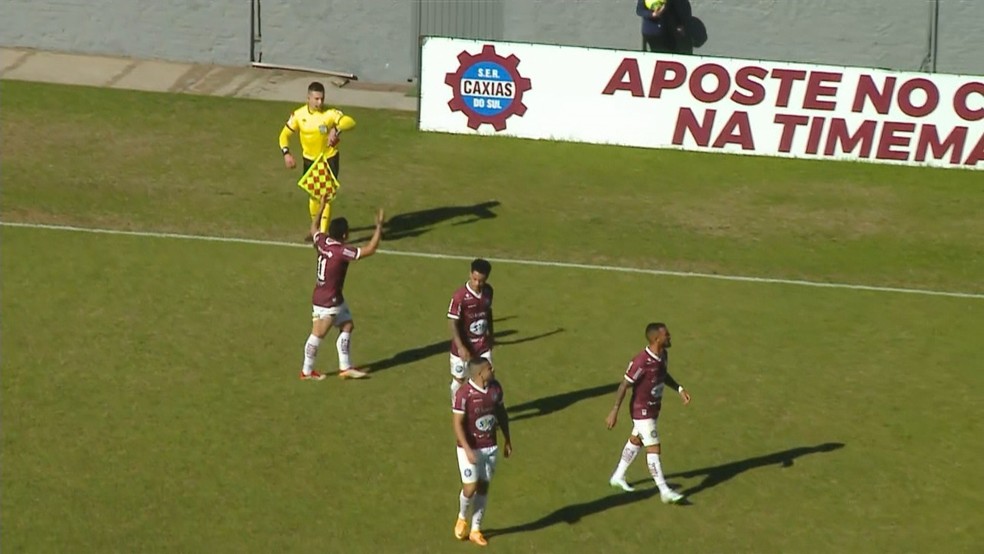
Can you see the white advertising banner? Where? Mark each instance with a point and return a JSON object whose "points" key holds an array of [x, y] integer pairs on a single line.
{"points": [[699, 103]]}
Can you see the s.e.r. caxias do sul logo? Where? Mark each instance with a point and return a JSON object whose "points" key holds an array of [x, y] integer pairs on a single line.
{"points": [[487, 88]]}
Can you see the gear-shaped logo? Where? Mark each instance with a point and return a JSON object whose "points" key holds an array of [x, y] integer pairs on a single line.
{"points": [[487, 88]]}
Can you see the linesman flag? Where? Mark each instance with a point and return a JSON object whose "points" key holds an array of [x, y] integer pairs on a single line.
{"points": [[319, 179]]}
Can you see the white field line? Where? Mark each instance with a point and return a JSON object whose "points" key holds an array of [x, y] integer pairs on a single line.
{"points": [[540, 263]]}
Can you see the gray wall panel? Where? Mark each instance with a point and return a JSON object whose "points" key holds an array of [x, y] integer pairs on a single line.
{"points": [[375, 40], [961, 37], [205, 31], [370, 39], [877, 33]]}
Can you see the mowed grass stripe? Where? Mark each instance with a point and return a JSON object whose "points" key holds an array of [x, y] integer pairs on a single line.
{"points": [[542, 263]]}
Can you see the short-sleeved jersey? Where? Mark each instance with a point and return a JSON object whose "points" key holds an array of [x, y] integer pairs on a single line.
{"points": [[473, 310], [333, 261], [312, 129], [646, 373], [479, 406]]}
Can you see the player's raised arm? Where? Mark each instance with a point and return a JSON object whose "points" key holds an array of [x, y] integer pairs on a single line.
{"points": [[377, 235], [612, 418]]}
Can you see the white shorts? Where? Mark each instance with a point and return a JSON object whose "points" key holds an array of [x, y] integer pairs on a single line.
{"points": [[645, 429], [483, 470], [459, 367], [340, 313]]}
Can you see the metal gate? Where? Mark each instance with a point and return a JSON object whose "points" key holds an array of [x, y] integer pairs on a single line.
{"points": [[479, 19], [255, 32]]}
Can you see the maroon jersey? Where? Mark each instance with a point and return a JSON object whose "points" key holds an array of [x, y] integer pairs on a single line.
{"points": [[333, 261], [473, 310], [479, 407], [646, 373]]}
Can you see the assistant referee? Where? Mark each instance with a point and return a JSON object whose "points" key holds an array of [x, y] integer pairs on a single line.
{"points": [[319, 131]]}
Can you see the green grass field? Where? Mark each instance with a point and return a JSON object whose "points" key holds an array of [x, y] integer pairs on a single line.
{"points": [[150, 400]]}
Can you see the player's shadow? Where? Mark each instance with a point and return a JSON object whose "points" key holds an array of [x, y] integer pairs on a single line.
{"points": [[715, 475], [409, 356], [413, 224], [550, 404], [575, 512], [443, 347], [499, 334], [421, 353]]}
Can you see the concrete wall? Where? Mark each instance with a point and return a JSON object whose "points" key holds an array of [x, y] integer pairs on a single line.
{"points": [[207, 31], [374, 39], [596, 23], [877, 33], [961, 37], [369, 39]]}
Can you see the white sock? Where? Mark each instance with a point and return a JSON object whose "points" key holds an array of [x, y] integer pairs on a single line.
{"points": [[310, 354], [455, 385], [629, 454], [463, 503], [656, 470], [343, 350], [479, 512]]}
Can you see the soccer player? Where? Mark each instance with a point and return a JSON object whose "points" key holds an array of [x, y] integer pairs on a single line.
{"points": [[330, 308], [319, 130], [646, 375], [470, 319], [477, 413]]}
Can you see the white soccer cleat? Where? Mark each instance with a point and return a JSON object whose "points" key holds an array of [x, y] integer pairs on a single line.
{"points": [[620, 484], [670, 496], [352, 373]]}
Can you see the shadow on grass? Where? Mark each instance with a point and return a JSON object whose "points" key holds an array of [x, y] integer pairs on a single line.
{"points": [[575, 512], [715, 475], [527, 339], [550, 404], [413, 224], [444, 347], [420, 353]]}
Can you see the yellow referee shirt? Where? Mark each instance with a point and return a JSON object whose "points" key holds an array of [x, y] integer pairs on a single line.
{"points": [[312, 129]]}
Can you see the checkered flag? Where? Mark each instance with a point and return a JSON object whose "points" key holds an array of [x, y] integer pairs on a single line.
{"points": [[319, 180]]}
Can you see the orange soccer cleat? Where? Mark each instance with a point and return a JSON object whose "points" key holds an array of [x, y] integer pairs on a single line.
{"points": [[461, 529], [478, 538]]}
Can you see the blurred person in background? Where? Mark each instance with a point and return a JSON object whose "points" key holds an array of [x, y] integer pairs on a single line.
{"points": [[660, 25]]}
